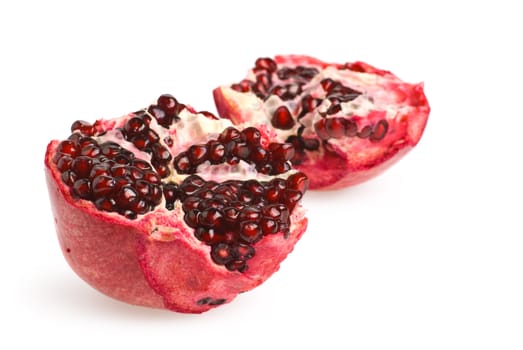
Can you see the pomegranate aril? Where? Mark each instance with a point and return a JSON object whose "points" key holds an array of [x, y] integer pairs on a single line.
{"points": [[209, 235], [151, 177], [250, 213], [282, 118], [258, 155], [230, 134], [251, 135], [141, 164], [160, 153], [160, 115], [69, 177], [82, 188], [103, 185], [255, 187], [168, 103], [285, 73], [122, 159], [298, 181], [68, 147], [243, 86], [306, 72], [81, 166], [135, 125], [182, 163], [155, 194], [105, 204], [236, 265], [321, 129], [126, 197], [85, 128], [240, 150], [120, 171], [335, 127], [281, 151], [141, 141], [266, 63], [291, 197], [64, 163], [351, 128], [211, 217], [162, 168], [170, 192], [197, 154], [379, 131], [268, 226], [221, 253], [216, 152], [272, 194], [242, 251], [250, 231], [365, 132], [152, 136], [191, 218], [110, 149], [231, 214]]}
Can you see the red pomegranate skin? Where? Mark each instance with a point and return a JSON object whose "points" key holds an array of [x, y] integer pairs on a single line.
{"points": [[154, 260], [353, 161]]}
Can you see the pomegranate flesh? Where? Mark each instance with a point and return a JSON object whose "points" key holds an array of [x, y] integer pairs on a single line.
{"points": [[171, 208], [348, 122]]}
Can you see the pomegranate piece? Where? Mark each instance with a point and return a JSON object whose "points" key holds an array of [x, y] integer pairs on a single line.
{"points": [[348, 122], [172, 208]]}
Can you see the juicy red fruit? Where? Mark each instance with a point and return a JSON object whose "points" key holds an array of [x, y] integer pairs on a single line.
{"points": [[347, 122], [152, 217]]}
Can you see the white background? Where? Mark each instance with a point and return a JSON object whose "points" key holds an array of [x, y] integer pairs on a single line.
{"points": [[427, 256]]}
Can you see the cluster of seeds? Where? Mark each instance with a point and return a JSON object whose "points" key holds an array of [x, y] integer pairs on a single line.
{"points": [[288, 83], [233, 215], [233, 145], [108, 175]]}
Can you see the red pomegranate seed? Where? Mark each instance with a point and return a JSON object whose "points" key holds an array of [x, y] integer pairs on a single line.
{"points": [[281, 151], [182, 163], [105, 204], [268, 226], [250, 231], [266, 63], [321, 129], [285, 73], [126, 197], [82, 188], [365, 132], [209, 235], [135, 125], [351, 128], [230, 134], [197, 154], [211, 217], [103, 185], [379, 131], [64, 163], [298, 181], [160, 153], [282, 118], [221, 253], [251, 135], [85, 128], [68, 147], [335, 127], [168, 103], [81, 166]]}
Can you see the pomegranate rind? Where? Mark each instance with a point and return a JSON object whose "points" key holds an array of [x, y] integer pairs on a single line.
{"points": [[359, 160], [154, 260]]}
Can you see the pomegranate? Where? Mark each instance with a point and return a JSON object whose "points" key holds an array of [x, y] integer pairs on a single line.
{"points": [[171, 208], [348, 122]]}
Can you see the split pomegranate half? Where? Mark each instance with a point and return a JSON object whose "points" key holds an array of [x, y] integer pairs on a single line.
{"points": [[172, 208], [348, 122]]}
